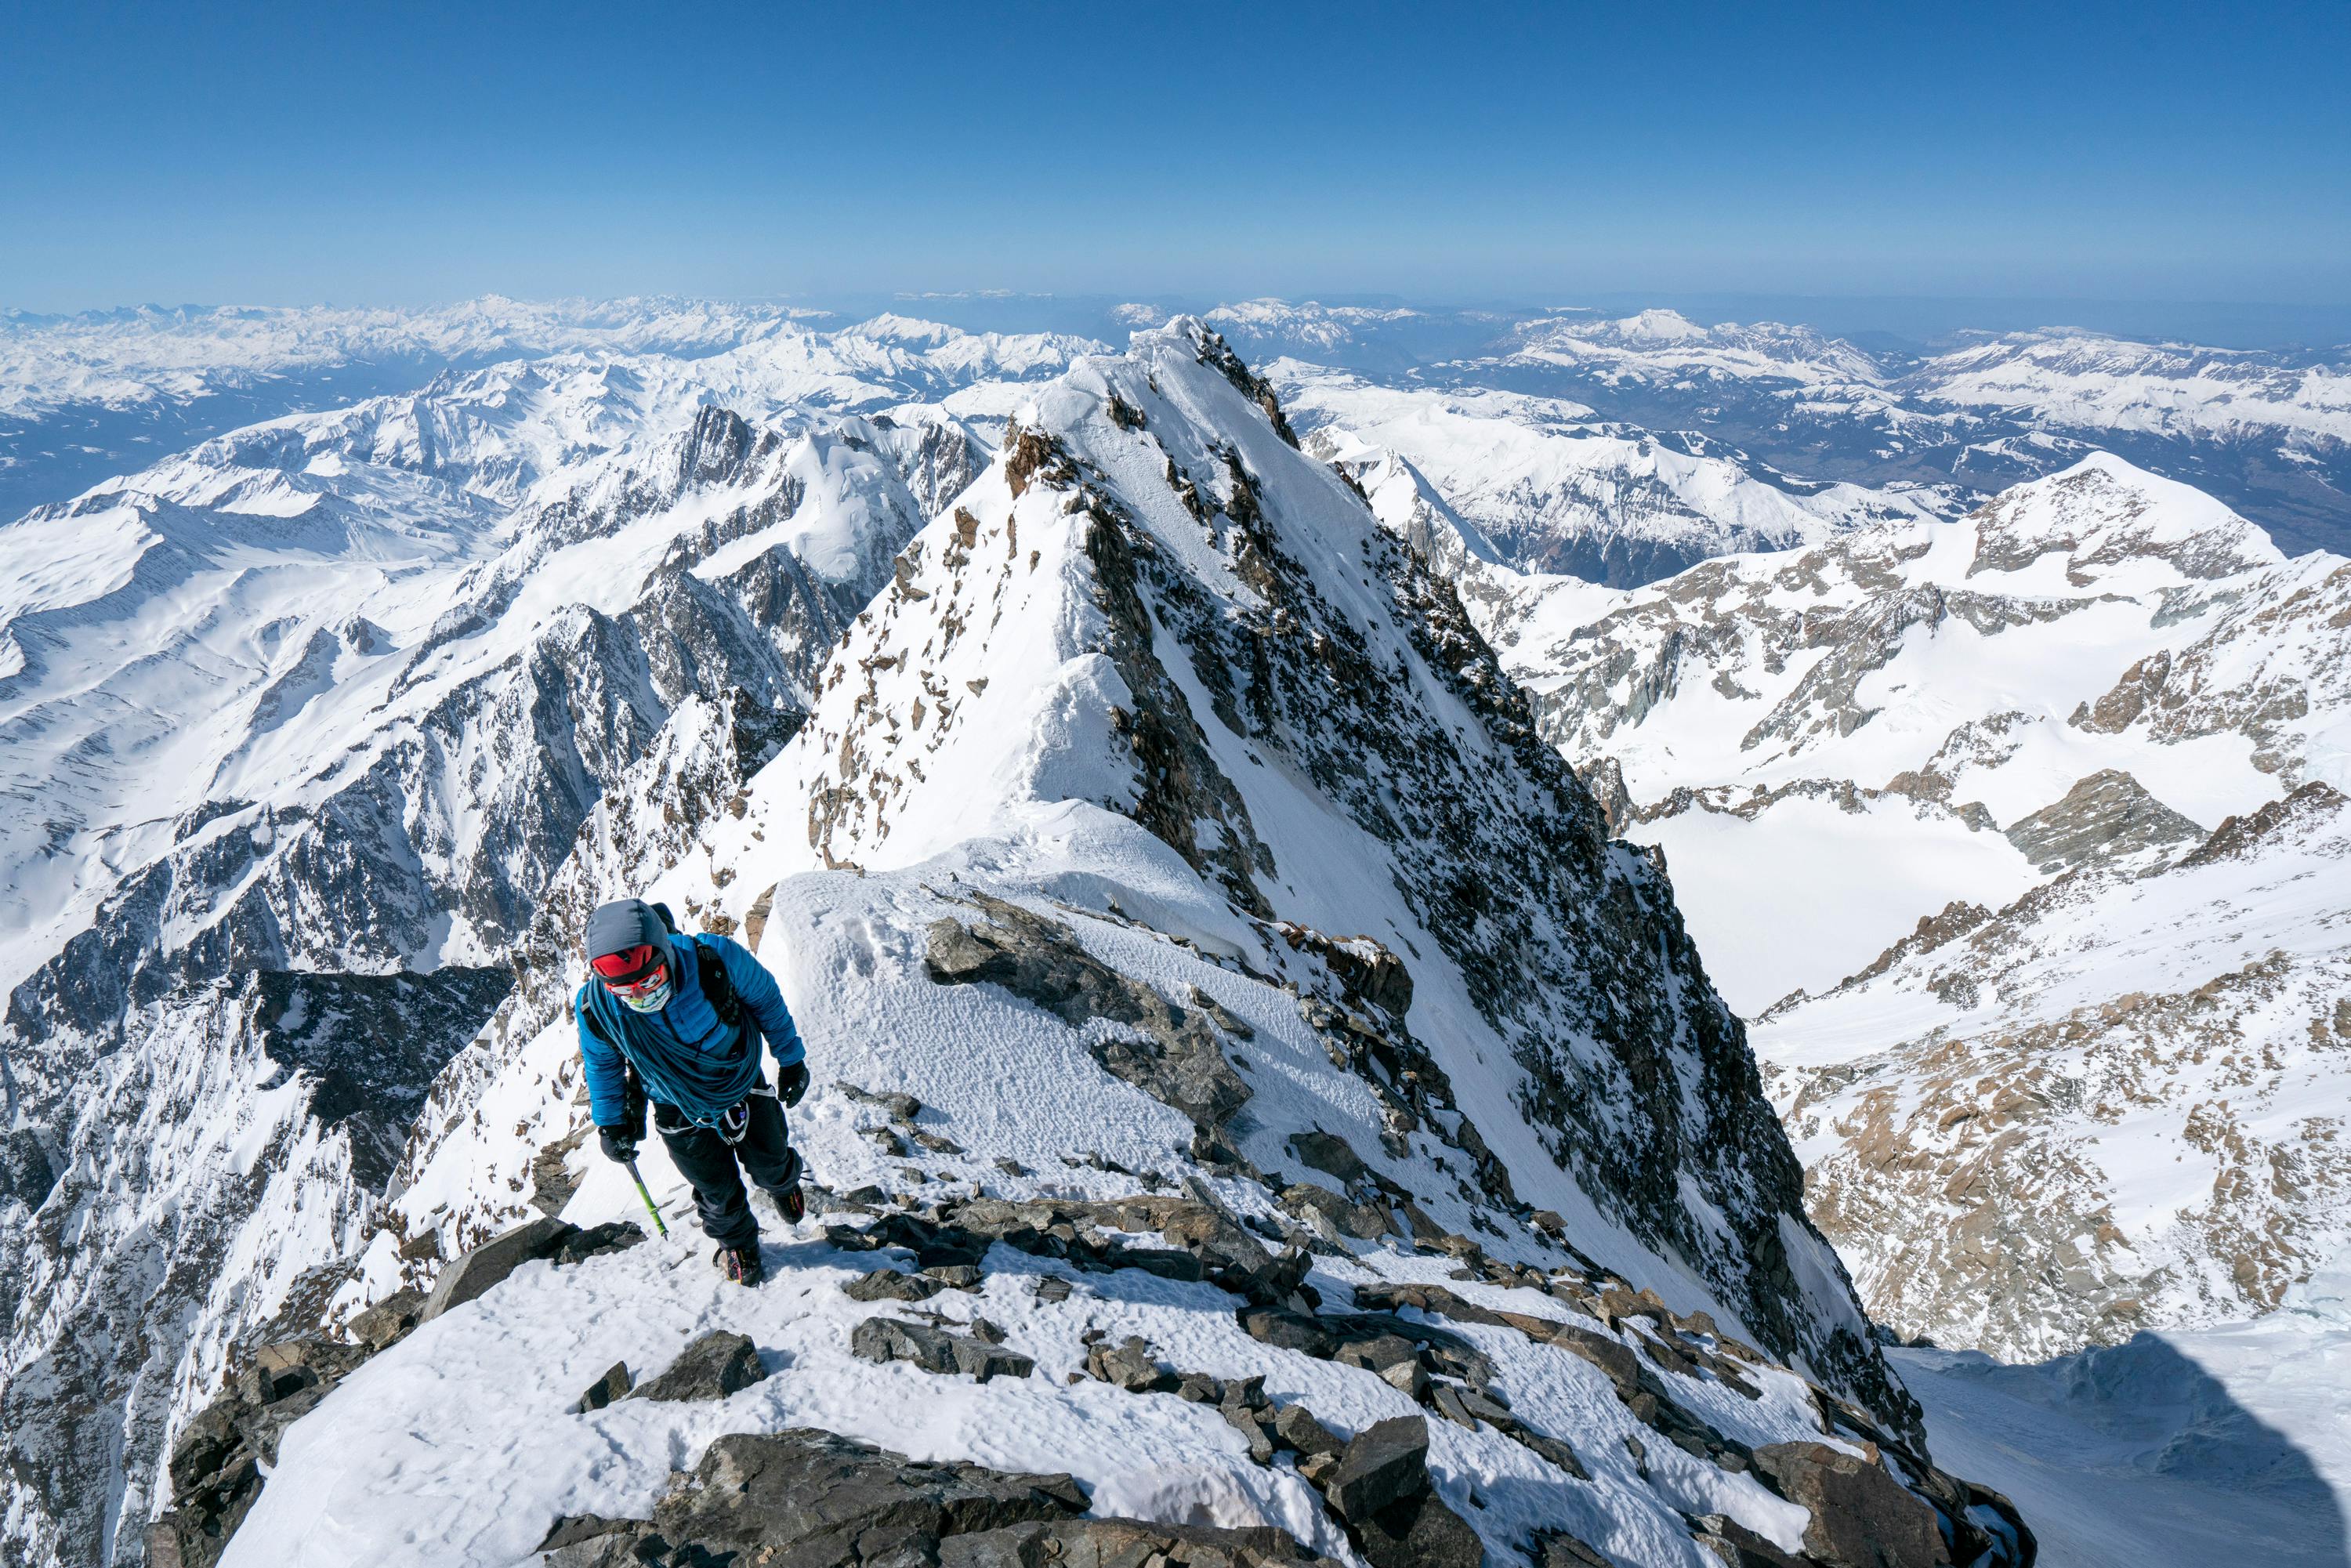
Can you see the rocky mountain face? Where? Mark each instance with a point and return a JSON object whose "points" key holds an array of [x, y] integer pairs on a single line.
{"points": [[1926, 788], [2111, 1105], [307, 721], [1256, 1104]]}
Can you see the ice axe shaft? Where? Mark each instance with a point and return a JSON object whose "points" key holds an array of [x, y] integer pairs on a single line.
{"points": [[651, 1208]]}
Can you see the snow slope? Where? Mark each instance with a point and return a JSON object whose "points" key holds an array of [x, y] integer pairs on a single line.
{"points": [[2173, 1448], [2113, 1105], [1127, 834]]}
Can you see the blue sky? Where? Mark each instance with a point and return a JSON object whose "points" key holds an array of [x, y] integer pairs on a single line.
{"points": [[410, 154]]}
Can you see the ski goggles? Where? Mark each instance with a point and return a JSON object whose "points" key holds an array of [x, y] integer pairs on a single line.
{"points": [[631, 972]]}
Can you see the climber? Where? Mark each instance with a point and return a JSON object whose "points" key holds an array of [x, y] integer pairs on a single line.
{"points": [[677, 1020]]}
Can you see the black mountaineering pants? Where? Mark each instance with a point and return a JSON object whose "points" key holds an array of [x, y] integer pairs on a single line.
{"points": [[709, 1162]]}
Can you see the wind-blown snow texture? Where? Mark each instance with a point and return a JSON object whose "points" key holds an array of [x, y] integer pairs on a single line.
{"points": [[1157, 702], [2184, 1447]]}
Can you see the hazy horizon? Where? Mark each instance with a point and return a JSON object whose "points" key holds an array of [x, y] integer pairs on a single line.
{"points": [[2131, 155], [1897, 322]]}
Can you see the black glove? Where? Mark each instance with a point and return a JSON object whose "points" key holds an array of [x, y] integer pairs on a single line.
{"points": [[619, 1143], [791, 1083]]}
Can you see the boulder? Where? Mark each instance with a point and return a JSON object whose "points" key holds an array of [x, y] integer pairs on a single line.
{"points": [[614, 1384], [935, 1350], [1284, 1330], [956, 1276], [1419, 1533], [1560, 1549], [1737, 1546], [1330, 1154], [889, 1285], [388, 1321], [1298, 1429], [1377, 1352], [1132, 1367], [1119, 1542], [712, 1367], [492, 1261], [1861, 1517], [613, 1236], [1319, 1204], [1611, 1356], [1409, 1378], [1383, 1464]]}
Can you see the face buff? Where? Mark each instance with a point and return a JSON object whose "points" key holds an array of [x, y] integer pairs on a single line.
{"points": [[639, 976]]}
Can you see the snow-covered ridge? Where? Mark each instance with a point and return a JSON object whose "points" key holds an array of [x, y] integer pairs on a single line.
{"points": [[1665, 345], [1960, 676], [91, 397], [1127, 835], [2086, 380], [117, 358], [120, 359]]}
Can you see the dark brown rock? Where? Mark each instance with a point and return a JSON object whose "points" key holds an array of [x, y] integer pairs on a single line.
{"points": [[614, 1384], [388, 1321], [1296, 1427], [1861, 1517], [1611, 1356], [1330, 1154], [891, 1285], [712, 1367], [935, 1350], [1419, 1533], [492, 1261], [1384, 1463]]}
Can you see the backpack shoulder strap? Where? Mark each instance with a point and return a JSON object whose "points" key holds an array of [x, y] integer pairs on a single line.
{"points": [[583, 1008], [717, 989]]}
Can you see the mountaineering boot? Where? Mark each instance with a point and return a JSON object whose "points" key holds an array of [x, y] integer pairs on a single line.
{"points": [[740, 1264], [791, 1202]]}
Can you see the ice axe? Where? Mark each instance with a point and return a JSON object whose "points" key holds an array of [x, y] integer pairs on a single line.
{"points": [[651, 1208]]}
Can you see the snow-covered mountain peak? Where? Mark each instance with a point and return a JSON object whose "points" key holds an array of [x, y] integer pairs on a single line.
{"points": [[1664, 345], [1657, 327], [1556, 491], [2135, 1071], [2107, 520], [1977, 672]]}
